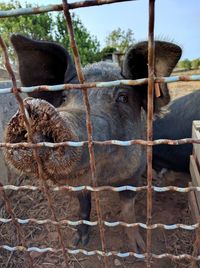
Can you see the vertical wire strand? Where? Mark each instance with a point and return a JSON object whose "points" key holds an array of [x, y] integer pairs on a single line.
{"points": [[35, 150], [150, 108], [88, 125], [5, 198]]}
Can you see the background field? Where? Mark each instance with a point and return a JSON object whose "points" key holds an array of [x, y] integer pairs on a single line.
{"points": [[179, 89]]}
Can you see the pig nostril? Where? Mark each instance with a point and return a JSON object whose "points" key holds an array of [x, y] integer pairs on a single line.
{"points": [[20, 137], [49, 138]]}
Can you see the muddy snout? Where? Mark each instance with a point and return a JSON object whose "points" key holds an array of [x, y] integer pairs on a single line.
{"points": [[46, 125]]}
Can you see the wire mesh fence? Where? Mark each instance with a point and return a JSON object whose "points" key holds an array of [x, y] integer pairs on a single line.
{"points": [[46, 189]]}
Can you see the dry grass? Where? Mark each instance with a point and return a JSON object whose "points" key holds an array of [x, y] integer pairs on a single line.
{"points": [[33, 204], [180, 89]]}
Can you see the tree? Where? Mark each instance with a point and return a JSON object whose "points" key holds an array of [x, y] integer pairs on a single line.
{"points": [[50, 28], [35, 26], [196, 63], [186, 64], [120, 39], [88, 46]]}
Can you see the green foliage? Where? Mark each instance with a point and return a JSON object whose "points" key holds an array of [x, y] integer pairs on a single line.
{"points": [[35, 26], [46, 27], [185, 64], [196, 63], [120, 39], [88, 46]]}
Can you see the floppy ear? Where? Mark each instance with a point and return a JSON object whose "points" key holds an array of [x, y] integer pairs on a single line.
{"points": [[135, 66], [43, 63]]}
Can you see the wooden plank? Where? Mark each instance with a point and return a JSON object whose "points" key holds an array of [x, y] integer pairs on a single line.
{"points": [[196, 135], [193, 205], [195, 177]]}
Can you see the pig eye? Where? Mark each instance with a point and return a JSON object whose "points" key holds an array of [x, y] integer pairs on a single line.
{"points": [[123, 98]]}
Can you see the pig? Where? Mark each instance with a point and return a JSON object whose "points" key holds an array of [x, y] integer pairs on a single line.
{"points": [[176, 124], [116, 113]]}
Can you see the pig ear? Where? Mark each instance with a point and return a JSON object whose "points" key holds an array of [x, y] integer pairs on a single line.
{"points": [[43, 63], [135, 66]]}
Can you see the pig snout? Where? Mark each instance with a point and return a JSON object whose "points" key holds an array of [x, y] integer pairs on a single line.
{"points": [[46, 125]]}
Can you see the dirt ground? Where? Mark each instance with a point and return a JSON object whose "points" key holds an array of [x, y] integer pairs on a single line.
{"points": [[169, 208]]}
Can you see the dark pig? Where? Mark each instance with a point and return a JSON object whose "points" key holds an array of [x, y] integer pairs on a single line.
{"points": [[176, 124], [116, 113]]}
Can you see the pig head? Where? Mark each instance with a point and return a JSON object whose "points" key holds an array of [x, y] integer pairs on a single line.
{"points": [[116, 113]]}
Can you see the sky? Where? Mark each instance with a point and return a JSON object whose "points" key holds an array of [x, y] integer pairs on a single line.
{"points": [[175, 20]]}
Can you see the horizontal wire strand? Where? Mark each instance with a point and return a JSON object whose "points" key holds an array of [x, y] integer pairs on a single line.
{"points": [[101, 253], [106, 223], [107, 142], [103, 188], [109, 84]]}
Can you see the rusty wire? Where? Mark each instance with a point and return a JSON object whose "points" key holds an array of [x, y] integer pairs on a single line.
{"points": [[107, 223], [88, 124], [35, 150], [103, 188], [107, 142], [102, 253], [149, 143], [43, 9], [99, 85], [5, 198], [151, 58]]}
